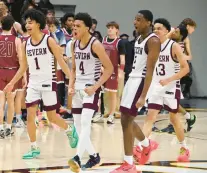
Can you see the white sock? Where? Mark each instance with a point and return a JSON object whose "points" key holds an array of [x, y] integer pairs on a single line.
{"points": [[187, 115], [68, 111], [84, 138], [34, 144], [1, 127], [8, 126], [19, 117], [140, 145], [183, 144], [145, 142], [128, 159], [68, 129]]}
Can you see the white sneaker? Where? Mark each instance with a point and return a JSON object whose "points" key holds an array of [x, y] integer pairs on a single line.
{"points": [[110, 119], [20, 124], [98, 118]]}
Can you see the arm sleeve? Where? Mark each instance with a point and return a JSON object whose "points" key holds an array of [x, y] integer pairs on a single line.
{"points": [[121, 47]]}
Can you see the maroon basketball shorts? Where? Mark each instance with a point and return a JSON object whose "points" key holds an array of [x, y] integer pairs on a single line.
{"points": [[112, 83], [132, 92], [60, 76], [157, 102], [6, 76]]}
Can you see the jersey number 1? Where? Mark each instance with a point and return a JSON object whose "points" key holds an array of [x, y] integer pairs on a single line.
{"points": [[37, 64], [81, 67]]}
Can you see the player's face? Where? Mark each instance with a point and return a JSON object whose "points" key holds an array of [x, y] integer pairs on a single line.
{"points": [[79, 29], [93, 27], [176, 35], [32, 26], [140, 23], [52, 28], [112, 31], [160, 30], [69, 22], [190, 29]]}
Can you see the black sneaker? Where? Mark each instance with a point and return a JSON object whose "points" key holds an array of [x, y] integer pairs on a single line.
{"points": [[168, 129], [92, 162], [75, 164], [8, 132], [191, 122], [155, 129], [67, 116], [2, 134]]}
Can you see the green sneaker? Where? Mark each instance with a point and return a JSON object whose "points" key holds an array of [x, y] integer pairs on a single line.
{"points": [[191, 122], [73, 137], [33, 153]]}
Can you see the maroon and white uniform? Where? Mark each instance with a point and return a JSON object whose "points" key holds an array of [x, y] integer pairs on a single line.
{"points": [[42, 78], [135, 83], [9, 62], [88, 72], [113, 53], [165, 96]]}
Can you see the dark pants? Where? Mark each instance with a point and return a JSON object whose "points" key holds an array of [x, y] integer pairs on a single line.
{"points": [[61, 93], [186, 83]]}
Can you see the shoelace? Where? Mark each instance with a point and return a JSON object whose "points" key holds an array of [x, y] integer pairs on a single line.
{"points": [[182, 151]]}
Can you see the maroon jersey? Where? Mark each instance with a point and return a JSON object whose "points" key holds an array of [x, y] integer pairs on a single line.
{"points": [[8, 53], [67, 36], [112, 51], [24, 38]]}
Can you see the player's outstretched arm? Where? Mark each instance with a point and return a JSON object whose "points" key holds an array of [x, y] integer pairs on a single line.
{"points": [[20, 48], [99, 50], [59, 56], [154, 47]]}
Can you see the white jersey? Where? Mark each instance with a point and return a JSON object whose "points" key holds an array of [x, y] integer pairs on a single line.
{"points": [[139, 67], [88, 65], [166, 67], [41, 65]]}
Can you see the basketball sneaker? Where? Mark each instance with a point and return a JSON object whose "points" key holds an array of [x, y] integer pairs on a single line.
{"points": [[110, 119], [184, 155], [168, 129], [33, 153], [145, 154], [191, 122], [9, 132], [75, 164], [73, 137], [98, 118], [126, 168], [2, 134], [137, 152], [20, 124], [92, 162]]}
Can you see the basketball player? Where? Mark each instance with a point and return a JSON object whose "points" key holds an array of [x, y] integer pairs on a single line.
{"points": [[147, 49], [165, 90], [10, 51], [87, 58], [40, 50], [116, 51], [176, 35], [67, 21]]}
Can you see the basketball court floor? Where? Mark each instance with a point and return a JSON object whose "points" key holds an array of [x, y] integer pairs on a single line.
{"points": [[55, 150]]}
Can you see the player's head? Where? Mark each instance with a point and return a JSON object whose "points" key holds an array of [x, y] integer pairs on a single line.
{"points": [[3, 11], [7, 23], [112, 28], [190, 25], [94, 24], [82, 25], [161, 27], [50, 13], [52, 24], [180, 33], [68, 20], [35, 21], [143, 21]]}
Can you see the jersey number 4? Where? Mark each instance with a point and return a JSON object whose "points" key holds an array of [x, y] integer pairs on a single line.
{"points": [[81, 68], [160, 70]]}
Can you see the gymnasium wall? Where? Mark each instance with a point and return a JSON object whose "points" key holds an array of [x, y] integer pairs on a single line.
{"points": [[124, 11]]}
